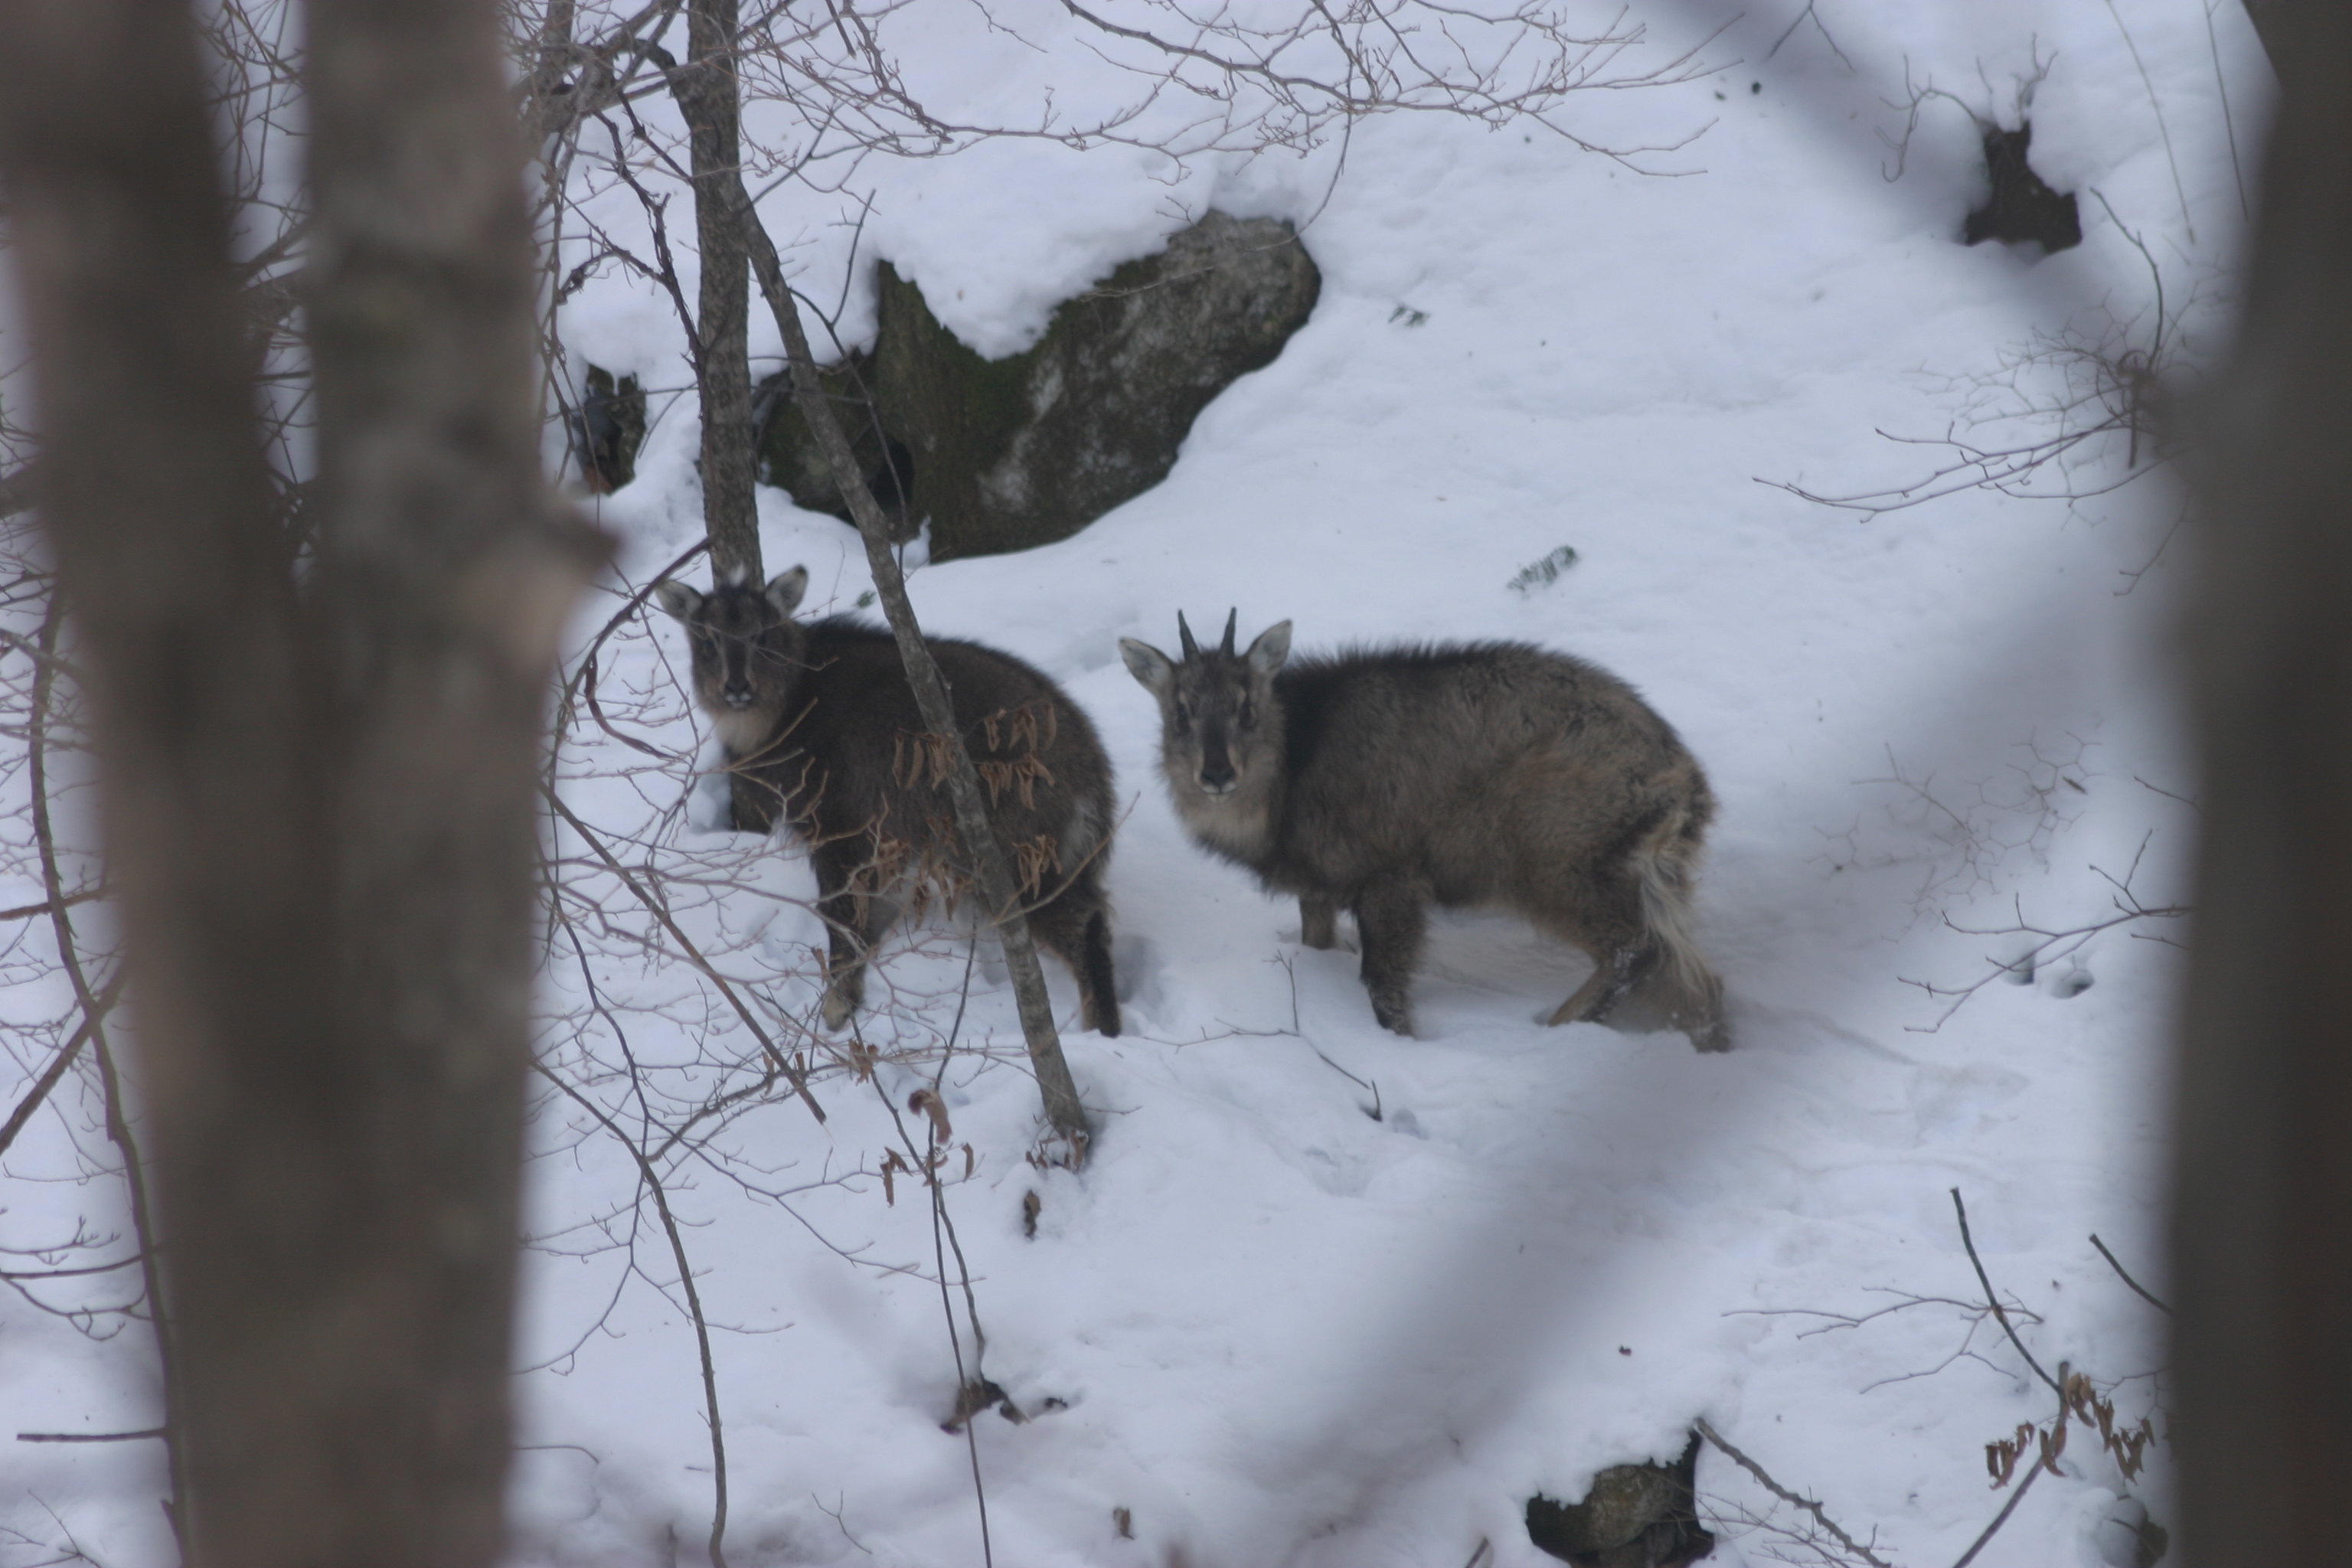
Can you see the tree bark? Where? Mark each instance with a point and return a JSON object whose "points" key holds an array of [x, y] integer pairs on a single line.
{"points": [[2262, 1194], [998, 890], [707, 95], [320, 815]]}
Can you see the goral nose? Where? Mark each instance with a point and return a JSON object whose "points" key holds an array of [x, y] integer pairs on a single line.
{"points": [[1217, 778], [737, 694]]}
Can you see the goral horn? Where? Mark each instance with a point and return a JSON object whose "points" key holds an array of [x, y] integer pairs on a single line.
{"points": [[1191, 648], [1230, 616]]}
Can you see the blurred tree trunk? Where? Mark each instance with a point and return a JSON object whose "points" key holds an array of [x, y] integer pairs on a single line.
{"points": [[2263, 1197], [318, 809], [2263, 15], [709, 98]]}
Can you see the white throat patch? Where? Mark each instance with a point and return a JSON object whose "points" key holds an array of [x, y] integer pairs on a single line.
{"points": [[741, 730], [1239, 825]]}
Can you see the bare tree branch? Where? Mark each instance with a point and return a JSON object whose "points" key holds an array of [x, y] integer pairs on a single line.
{"points": [[1992, 1300], [2121, 1273], [94, 1009], [1708, 1431], [998, 890], [2007, 1509], [693, 954], [59, 1062]]}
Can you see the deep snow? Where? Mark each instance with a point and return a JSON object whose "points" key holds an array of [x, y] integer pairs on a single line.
{"points": [[1278, 1329]]}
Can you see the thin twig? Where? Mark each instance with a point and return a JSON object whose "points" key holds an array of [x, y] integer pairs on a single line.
{"points": [[2054, 945], [118, 1122], [2228, 121], [964, 1379], [621, 617], [1706, 1431], [596, 711], [1802, 17], [2007, 1509], [939, 1192], [693, 954], [1375, 1112], [2162, 129], [33, 911], [693, 1305], [91, 1436], [1994, 1301], [943, 1233], [56, 1071], [2110, 1256]]}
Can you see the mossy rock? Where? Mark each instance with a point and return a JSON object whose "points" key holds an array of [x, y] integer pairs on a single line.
{"points": [[1001, 455], [1635, 1516], [606, 430]]}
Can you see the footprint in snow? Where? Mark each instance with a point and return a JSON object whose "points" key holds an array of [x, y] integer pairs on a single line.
{"points": [[1955, 1104]]}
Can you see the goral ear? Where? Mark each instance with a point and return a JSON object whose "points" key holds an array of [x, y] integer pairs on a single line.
{"points": [[677, 601], [1148, 665], [786, 589], [1271, 648]]}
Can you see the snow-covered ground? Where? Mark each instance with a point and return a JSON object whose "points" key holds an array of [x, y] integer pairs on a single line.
{"points": [[1264, 1326]]}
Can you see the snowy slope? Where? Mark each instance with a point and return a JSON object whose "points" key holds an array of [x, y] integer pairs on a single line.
{"points": [[1262, 1326]]}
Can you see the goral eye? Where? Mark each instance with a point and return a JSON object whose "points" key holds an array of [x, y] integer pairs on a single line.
{"points": [[1183, 713], [1248, 714]]}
